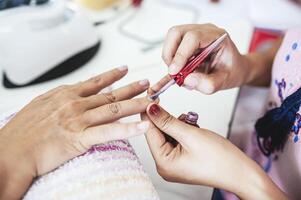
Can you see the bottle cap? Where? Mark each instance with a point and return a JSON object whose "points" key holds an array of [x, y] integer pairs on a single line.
{"points": [[192, 117]]}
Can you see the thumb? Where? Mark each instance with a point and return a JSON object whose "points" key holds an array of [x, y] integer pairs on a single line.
{"points": [[169, 124], [205, 83]]}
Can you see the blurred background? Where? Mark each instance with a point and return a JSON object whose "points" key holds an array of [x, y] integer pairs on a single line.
{"points": [[47, 43]]}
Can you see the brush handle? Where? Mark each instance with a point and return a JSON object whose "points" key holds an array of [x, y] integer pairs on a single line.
{"points": [[190, 67], [196, 61]]}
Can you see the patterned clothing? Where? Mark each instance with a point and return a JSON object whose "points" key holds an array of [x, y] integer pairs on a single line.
{"points": [[284, 168]]}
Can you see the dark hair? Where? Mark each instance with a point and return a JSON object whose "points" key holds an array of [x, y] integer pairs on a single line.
{"points": [[273, 128]]}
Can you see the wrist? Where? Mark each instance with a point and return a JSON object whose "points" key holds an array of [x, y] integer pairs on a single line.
{"points": [[249, 73], [15, 173], [259, 67], [254, 183]]}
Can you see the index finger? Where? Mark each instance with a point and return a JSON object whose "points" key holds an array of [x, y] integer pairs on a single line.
{"points": [[97, 83], [155, 88], [173, 39]]}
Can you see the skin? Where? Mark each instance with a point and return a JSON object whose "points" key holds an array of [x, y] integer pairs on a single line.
{"points": [[225, 69], [64, 123], [201, 156]]}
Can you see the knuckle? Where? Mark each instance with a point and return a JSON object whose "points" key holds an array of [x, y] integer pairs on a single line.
{"points": [[73, 106], [174, 30], [40, 98], [210, 25], [114, 108], [192, 35], [167, 122], [78, 83], [110, 97], [62, 87]]}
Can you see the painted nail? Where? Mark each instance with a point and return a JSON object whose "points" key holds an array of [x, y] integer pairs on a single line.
{"points": [[173, 69], [143, 126], [144, 83], [154, 109], [123, 68]]}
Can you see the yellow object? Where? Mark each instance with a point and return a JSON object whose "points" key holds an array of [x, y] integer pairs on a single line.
{"points": [[97, 4]]}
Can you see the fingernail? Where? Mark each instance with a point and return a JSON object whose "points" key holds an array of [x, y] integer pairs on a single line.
{"points": [[144, 83], [154, 109], [173, 69], [191, 82], [143, 126], [123, 68]]}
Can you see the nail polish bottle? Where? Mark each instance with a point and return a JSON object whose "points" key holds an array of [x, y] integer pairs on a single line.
{"points": [[190, 118]]}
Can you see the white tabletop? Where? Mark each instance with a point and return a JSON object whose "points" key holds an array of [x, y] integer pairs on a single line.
{"points": [[214, 111]]}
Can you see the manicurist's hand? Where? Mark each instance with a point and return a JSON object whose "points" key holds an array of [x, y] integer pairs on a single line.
{"points": [[63, 123], [204, 158], [225, 68]]}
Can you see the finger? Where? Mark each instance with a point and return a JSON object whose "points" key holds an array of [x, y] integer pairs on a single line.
{"points": [[156, 140], [186, 49], [123, 93], [95, 84], [192, 41], [169, 124], [206, 83], [173, 40], [155, 88], [171, 43], [114, 111], [114, 131]]}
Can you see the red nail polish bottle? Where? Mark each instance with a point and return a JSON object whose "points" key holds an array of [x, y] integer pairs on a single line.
{"points": [[189, 118]]}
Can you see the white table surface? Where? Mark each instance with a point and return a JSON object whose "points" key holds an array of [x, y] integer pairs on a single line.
{"points": [[214, 111]]}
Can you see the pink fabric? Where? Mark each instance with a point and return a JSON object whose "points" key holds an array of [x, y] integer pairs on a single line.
{"points": [[283, 167]]}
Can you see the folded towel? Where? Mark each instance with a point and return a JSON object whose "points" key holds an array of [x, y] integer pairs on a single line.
{"points": [[106, 171]]}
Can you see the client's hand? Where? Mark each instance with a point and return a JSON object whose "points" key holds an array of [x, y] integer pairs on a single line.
{"points": [[204, 158], [64, 123]]}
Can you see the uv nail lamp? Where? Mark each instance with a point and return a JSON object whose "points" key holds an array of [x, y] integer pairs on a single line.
{"points": [[43, 42]]}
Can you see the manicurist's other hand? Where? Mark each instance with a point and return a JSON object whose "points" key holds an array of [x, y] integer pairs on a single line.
{"points": [[225, 67], [63, 123], [203, 157]]}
